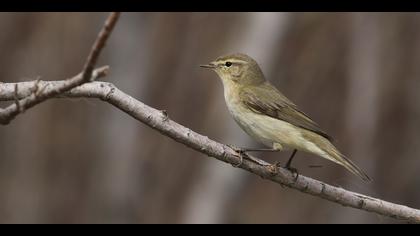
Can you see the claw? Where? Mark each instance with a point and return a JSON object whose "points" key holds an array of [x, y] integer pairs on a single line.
{"points": [[240, 161], [273, 169], [240, 152], [289, 168], [293, 170]]}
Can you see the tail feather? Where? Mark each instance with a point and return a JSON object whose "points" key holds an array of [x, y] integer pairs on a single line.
{"points": [[330, 152], [340, 159], [349, 165]]}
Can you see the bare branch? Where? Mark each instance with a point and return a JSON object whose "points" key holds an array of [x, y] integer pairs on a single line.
{"points": [[10, 112], [160, 121], [43, 91], [99, 45]]}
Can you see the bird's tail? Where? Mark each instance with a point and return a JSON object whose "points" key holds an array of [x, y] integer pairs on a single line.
{"points": [[337, 157]]}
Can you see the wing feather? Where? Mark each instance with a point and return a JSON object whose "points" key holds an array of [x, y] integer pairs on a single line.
{"points": [[267, 100]]}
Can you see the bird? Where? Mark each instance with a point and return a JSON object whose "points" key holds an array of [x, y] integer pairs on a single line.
{"points": [[269, 117]]}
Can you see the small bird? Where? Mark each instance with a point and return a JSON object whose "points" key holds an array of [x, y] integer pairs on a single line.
{"points": [[268, 116]]}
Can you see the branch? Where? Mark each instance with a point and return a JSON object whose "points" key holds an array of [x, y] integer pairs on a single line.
{"points": [[160, 121], [39, 94], [99, 45]]}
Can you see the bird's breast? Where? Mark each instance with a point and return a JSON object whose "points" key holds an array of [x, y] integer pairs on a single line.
{"points": [[252, 123]]}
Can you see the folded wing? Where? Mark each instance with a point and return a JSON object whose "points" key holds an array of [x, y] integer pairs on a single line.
{"points": [[267, 100]]}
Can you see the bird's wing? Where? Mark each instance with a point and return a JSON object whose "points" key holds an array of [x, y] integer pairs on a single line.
{"points": [[267, 100]]}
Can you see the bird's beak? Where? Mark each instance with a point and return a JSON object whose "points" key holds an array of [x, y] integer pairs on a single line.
{"points": [[211, 65]]}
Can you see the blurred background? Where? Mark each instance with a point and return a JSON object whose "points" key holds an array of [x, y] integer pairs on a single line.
{"points": [[84, 161]]}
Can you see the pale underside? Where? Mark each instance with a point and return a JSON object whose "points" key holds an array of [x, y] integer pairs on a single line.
{"points": [[275, 133]]}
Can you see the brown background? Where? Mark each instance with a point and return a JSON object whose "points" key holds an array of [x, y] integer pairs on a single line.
{"points": [[83, 161]]}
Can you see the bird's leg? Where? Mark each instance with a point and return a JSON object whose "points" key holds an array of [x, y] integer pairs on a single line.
{"points": [[289, 167], [259, 150], [289, 163], [245, 150], [243, 153]]}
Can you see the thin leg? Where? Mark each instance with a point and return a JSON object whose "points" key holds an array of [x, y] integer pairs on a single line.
{"points": [[259, 150], [242, 153], [289, 162]]}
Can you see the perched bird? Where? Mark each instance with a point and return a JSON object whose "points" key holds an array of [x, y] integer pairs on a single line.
{"points": [[268, 116]]}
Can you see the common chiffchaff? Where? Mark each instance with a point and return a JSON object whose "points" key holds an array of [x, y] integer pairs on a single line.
{"points": [[268, 116]]}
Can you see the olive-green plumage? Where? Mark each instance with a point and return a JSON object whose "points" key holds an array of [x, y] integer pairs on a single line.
{"points": [[267, 115]]}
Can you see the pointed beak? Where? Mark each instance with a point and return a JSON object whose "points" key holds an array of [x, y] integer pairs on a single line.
{"points": [[211, 65]]}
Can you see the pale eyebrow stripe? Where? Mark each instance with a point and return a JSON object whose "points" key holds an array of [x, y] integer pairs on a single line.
{"points": [[233, 61]]}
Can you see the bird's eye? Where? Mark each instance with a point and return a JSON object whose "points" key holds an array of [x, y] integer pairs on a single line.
{"points": [[228, 64]]}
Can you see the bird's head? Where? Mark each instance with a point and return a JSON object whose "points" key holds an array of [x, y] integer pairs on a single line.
{"points": [[237, 68]]}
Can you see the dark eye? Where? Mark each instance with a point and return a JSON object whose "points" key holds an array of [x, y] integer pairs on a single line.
{"points": [[228, 64]]}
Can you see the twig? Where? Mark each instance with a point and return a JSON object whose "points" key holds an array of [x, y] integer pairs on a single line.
{"points": [[10, 112], [159, 121], [99, 45]]}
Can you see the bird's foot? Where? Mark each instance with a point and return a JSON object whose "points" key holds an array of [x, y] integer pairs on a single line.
{"points": [[294, 171], [289, 168], [241, 153], [238, 149]]}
